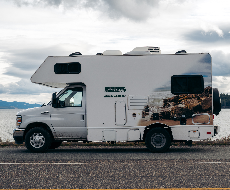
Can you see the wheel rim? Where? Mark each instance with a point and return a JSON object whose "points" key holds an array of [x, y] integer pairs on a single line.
{"points": [[37, 140], [158, 140]]}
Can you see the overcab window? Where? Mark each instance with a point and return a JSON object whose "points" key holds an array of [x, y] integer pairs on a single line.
{"points": [[187, 84], [67, 68]]}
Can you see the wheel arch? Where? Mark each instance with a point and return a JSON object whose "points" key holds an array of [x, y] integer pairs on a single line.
{"points": [[155, 125], [38, 124]]}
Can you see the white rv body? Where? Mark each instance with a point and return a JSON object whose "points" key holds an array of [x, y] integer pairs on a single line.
{"points": [[115, 91]]}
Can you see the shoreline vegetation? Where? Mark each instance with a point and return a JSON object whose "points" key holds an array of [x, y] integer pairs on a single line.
{"points": [[223, 141]]}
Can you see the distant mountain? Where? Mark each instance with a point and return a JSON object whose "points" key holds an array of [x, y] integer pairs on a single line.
{"points": [[17, 105]]}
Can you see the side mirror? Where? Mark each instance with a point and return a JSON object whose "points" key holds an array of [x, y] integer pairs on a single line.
{"points": [[54, 100]]}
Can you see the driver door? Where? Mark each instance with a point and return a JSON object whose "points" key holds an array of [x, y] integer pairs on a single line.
{"points": [[68, 120]]}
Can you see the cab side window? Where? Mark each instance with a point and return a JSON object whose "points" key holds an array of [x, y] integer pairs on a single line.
{"points": [[72, 97]]}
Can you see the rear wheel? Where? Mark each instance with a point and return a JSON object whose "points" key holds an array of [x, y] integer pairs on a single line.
{"points": [[158, 140], [37, 140]]}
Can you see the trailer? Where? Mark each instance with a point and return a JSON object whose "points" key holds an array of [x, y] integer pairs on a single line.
{"points": [[139, 96]]}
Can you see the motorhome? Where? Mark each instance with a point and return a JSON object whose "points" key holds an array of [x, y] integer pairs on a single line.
{"points": [[138, 96]]}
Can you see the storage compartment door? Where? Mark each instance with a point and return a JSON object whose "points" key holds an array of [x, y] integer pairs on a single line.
{"points": [[120, 113]]}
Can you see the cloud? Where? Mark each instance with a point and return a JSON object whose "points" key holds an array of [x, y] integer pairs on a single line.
{"points": [[209, 35], [132, 9], [210, 27], [222, 83], [221, 63], [24, 62], [24, 86], [2, 89], [12, 71]]}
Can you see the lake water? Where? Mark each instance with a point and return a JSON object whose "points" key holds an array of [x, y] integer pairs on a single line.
{"points": [[8, 123]]}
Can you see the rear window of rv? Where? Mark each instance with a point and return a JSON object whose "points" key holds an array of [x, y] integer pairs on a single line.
{"points": [[187, 84], [67, 68]]}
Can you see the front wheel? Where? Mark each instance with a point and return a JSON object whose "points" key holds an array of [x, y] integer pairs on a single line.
{"points": [[37, 140], [158, 140]]}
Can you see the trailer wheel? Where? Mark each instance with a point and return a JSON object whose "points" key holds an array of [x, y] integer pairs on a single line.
{"points": [[55, 144], [158, 140], [37, 140]]}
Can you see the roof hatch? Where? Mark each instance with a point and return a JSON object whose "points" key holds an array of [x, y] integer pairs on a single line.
{"points": [[112, 52]]}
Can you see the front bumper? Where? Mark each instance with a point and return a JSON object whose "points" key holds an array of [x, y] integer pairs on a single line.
{"points": [[18, 135]]}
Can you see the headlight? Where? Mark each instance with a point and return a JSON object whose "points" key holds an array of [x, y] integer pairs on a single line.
{"points": [[18, 120]]}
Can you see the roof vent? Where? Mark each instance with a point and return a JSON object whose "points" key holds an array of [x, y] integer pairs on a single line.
{"points": [[144, 51], [112, 52], [99, 54], [75, 54], [181, 52]]}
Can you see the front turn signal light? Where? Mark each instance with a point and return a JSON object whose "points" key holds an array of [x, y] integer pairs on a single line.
{"points": [[18, 120]]}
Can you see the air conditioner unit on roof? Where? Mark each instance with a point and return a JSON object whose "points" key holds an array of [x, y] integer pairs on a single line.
{"points": [[144, 50]]}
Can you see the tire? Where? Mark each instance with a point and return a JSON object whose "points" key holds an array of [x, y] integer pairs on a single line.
{"points": [[37, 140], [55, 144], [158, 140], [216, 102]]}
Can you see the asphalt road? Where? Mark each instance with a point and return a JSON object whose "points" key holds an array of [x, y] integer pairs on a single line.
{"points": [[115, 168]]}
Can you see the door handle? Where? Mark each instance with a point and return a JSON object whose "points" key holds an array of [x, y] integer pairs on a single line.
{"points": [[45, 112], [83, 117]]}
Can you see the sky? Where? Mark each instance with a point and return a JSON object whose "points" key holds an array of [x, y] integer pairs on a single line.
{"points": [[31, 30]]}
